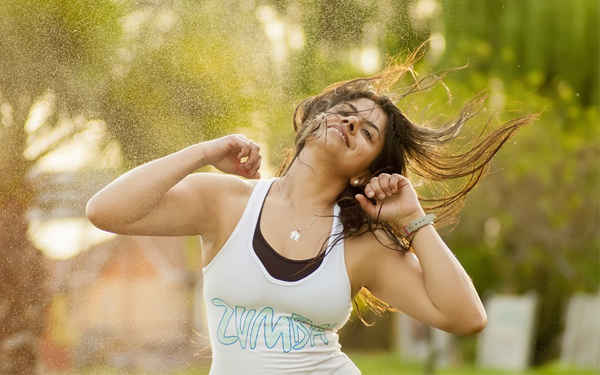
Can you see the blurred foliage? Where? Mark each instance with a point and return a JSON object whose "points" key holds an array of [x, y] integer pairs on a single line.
{"points": [[533, 222], [179, 77], [164, 74]]}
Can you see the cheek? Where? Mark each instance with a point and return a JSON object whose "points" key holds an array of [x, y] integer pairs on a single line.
{"points": [[367, 156], [374, 156]]}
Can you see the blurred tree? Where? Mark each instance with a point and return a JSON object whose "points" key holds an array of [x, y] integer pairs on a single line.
{"points": [[49, 52], [159, 74], [533, 224], [540, 42], [185, 72]]}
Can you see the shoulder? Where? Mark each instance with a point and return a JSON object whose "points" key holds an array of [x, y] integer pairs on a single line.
{"points": [[226, 198], [217, 191], [368, 253], [222, 183], [373, 242], [220, 197], [220, 190]]}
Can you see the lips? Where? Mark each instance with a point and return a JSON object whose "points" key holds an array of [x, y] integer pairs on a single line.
{"points": [[341, 132]]}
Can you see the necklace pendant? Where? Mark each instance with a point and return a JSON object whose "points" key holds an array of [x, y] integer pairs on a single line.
{"points": [[295, 235]]}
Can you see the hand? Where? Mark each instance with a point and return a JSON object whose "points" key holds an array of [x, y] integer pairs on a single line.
{"points": [[227, 155], [395, 199]]}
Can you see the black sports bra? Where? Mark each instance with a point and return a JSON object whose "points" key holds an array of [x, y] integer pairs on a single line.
{"points": [[279, 266]]}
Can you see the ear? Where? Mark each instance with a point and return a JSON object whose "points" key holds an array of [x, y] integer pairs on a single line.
{"points": [[360, 179]]}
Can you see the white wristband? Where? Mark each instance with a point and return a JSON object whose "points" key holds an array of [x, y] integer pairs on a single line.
{"points": [[414, 225]]}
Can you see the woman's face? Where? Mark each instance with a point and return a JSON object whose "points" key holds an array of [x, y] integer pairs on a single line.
{"points": [[354, 135]]}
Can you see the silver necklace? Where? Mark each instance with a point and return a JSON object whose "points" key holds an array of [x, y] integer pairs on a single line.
{"points": [[295, 235]]}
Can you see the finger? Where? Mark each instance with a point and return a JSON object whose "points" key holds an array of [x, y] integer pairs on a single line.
{"points": [[384, 184], [369, 192], [254, 166], [395, 180], [254, 156], [244, 151], [402, 181], [249, 167], [377, 192], [240, 142], [243, 139], [366, 204], [249, 152]]}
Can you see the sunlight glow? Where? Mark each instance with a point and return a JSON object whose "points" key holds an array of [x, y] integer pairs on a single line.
{"points": [[437, 47], [425, 9], [39, 113], [275, 30], [83, 151], [492, 229], [497, 96], [283, 35], [86, 149], [133, 22], [73, 154], [265, 13], [369, 60], [65, 238], [296, 38]]}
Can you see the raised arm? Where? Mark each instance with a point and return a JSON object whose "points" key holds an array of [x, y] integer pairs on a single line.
{"points": [[165, 198], [429, 285]]}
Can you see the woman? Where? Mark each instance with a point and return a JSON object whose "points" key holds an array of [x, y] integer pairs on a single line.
{"points": [[285, 257]]}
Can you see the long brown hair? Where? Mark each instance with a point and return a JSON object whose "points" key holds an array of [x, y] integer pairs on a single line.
{"points": [[410, 149]]}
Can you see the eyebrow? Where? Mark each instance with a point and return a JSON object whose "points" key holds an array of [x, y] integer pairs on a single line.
{"points": [[367, 121]]}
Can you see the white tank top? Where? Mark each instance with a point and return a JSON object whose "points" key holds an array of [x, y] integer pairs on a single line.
{"points": [[261, 325]]}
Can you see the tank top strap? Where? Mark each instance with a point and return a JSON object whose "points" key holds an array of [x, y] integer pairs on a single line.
{"points": [[336, 244], [245, 227], [255, 202]]}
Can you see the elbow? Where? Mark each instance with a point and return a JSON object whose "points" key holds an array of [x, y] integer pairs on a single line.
{"points": [[96, 215], [477, 325], [108, 216], [472, 324], [92, 212]]}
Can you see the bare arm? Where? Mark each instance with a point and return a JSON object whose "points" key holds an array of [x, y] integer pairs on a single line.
{"points": [[430, 285], [165, 198]]}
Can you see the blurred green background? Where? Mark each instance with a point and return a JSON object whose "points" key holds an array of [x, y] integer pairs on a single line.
{"points": [[140, 79]]}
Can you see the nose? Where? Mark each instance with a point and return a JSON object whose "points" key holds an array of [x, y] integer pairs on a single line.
{"points": [[351, 124]]}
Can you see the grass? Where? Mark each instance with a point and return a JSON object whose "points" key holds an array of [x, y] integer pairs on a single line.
{"points": [[381, 363], [388, 363]]}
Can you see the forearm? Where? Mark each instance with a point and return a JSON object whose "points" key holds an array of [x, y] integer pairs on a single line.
{"points": [[448, 285], [442, 293], [134, 194]]}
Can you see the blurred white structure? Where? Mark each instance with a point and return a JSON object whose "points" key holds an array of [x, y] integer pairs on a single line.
{"points": [[417, 342], [508, 339], [581, 341]]}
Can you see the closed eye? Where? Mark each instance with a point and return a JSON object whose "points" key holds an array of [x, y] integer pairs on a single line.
{"points": [[368, 123], [367, 134]]}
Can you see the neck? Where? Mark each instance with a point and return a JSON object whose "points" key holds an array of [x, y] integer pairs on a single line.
{"points": [[311, 189]]}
